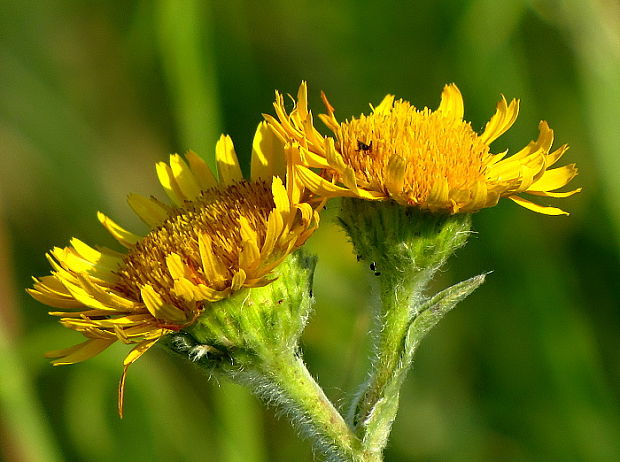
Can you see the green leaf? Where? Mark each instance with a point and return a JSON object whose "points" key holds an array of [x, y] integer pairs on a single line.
{"points": [[379, 422]]}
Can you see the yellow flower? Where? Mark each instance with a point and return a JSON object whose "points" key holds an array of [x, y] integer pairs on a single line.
{"points": [[432, 160], [217, 237]]}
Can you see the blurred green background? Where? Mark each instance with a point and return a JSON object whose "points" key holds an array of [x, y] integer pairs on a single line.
{"points": [[93, 93]]}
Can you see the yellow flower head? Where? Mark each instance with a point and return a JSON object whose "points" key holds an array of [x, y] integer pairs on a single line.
{"points": [[432, 160], [217, 237]]}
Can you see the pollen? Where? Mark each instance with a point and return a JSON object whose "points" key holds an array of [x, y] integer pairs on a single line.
{"points": [[421, 145], [215, 213]]}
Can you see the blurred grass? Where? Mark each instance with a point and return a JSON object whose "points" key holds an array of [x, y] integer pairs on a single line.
{"points": [[594, 30], [93, 93]]}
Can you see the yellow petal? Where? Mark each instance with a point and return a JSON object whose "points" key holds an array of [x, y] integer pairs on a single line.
{"points": [[138, 351], [555, 178], [124, 237], [313, 138], [478, 197], [73, 261], [238, 280], [302, 98], [150, 210], [334, 158], [294, 186], [214, 271], [385, 105], [452, 102], [438, 195], [349, 179], [537, 208], [106, 296], [553, 157], [554, 194], [55, 301], [69, 260], [501, 121], [52, 285], [191, 292], [287, 129], [227, 163], [246, 231], [259, 282], [160, 310], [131, 358], [307, 213], [329, 119], [201, 171], [95, 256], [303, 237], [79, 353], [277, 127], [184, 177], [267, 154], [208, 294], [119, 322], [144, 331], [78, 313], [52, 292], [86, 298], [395, 175], [493, 159], [541, 145], [330, 122], [523, 170], [185, 289], [280, 197], [275, 226], [176, 267], [320, 185], [166, 178], [249, 256], [59, 272]]}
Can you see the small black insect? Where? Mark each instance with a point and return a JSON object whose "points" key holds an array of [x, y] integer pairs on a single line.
{"points": [[361, 146], [358, 257], [373, 266], [377, 273]]}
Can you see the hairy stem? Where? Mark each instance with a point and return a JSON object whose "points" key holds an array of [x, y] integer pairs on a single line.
{"points": [[392, 323], [289, 385], [404, 248]]}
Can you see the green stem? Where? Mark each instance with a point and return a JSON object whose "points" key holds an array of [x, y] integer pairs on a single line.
{"points": [[404, 247], [377, 405], [280, 378], [393, 320], [289, 384]]}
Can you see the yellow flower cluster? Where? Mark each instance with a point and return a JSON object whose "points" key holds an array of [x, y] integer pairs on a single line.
{"points": [[216, 237]]}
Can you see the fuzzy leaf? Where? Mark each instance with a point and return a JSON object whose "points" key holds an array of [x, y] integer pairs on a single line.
{"points": [[379, 421]]}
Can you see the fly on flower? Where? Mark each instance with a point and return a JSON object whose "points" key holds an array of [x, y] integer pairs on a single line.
{"points": [[361, 146], [215, 238], [432, 160]]}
